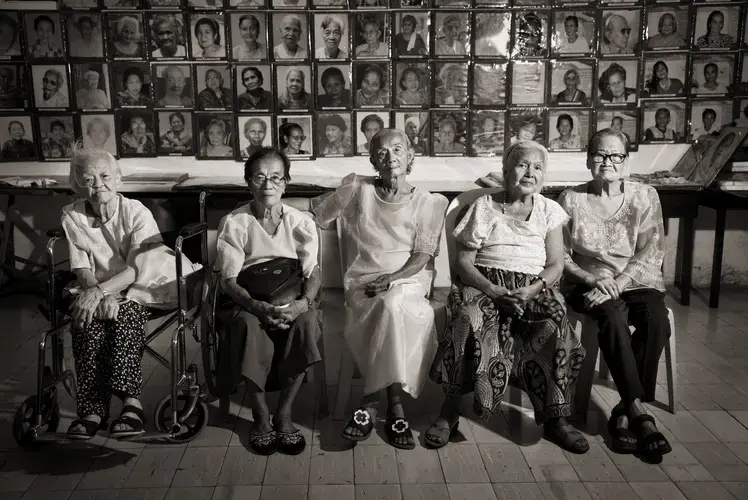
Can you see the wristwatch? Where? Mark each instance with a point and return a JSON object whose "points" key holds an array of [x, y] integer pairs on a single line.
{"points": [[309, 302]]}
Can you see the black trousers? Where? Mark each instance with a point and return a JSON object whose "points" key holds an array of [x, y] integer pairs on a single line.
{"points": [[632, 358]]}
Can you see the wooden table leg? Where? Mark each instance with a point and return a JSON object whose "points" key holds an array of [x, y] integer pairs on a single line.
{"points": [[687, 231], [719, 247]]}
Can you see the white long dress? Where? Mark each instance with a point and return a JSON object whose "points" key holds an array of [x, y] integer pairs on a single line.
{"points": [[391, 336]]}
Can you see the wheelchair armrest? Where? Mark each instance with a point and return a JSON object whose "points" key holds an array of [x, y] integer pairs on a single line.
{"points": [[56, 233], [193, 229]]}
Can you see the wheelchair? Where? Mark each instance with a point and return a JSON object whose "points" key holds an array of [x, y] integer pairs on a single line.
{"points": [[182, 414]]}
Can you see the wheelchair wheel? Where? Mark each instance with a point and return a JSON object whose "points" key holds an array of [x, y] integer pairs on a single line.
{"points": [[190, 428], [25, 419], [210, 336]]}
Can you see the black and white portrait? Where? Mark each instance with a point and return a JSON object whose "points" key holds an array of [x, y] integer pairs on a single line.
{"points": [[741, 86], [450, 84], [98, 132], [528, 82], [571, 82], [663, 121], [14, 87], [58, 136], [205, 4], [619, 32], [372, 82], [132, 85], [334, 134], [293, 87], [568, 129], [79, 4], [17, 139], [164, 4], [85, 35], [135, 132], [329, 4], [121, 4], [489, 84], [92, 89], [412, 84], [667, 27], [215, 133], [453, 4], [625, 121], [415, 124], [247, 4], [10, 36], [249, 36], [665, 75], [573, 32], [44, 35], [411, 37], [709, 117], [51, 86], [254, 86], [526, 125], [449, 132], [213, 87], [289, 4], [712, 74], [126, 35], [331, 35], [491, 3], [452, 33], [617, 81], [334, 86], [207, 36], [173, 86], [369, 4], [487, 132], [406, 4], [716, 27], [368, 123], [168, 35], [255, 132], [290, 37], [492, 34], [294, 136], [531, 37], [175, 135], [370, 37]]}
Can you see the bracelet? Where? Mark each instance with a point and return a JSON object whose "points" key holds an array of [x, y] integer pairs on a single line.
{"points": [[545, 283], [309, 302]]}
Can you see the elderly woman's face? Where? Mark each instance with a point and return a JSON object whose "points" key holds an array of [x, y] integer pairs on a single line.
{"points": [[661, 71], [295, 138], [215, 135], [256, 133], [58, 132], [411, 81], [249, 31], [718, 22], [98, 183], [710, 74], [251, 80], [268, 182], [564, 128], [617, 85], [175, 82], [446, 133], [411, 130], [371, 84], [129, 33], [86, 30], [408, 27], [525, 171], [391, 154], [667, 27], [332, 35], [137, 126], [213, 80], [290, 32], [177, 125], [618, 32], [92, 80], [206, 37], [16, 131], [606, 170], [333, 133], [527, 132], [570, 80], [334, 87], [134, 84], [98, 134], [45, 31], [371, 33], [451, 30]]}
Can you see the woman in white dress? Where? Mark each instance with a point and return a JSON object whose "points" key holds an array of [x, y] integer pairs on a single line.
{"points": [[393, 231]]}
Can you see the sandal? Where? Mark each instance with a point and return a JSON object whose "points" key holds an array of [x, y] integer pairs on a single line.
{"points": [[439, 437], [398, 427], [91, 428], [645, 442], [264, 444], [362, 421], [624, 440], [573, 441], [136, 424], [291, 443]]}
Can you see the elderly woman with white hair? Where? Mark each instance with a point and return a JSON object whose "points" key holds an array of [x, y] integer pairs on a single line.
{"points": [[128, 38], [508, 317], [90, 96]]}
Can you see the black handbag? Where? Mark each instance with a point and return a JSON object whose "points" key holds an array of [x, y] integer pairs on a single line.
{"points": [[278, 281]]}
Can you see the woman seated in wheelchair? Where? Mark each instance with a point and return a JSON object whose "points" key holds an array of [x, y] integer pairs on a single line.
{"points": [[267, 258], [117, 280], [508, 316], [614, 246]]}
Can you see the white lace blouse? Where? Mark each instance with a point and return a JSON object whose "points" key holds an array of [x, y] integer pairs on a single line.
{"points": [[504, 242]]}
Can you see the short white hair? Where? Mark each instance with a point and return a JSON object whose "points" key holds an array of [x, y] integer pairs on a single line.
{"points": [[83, 158]]}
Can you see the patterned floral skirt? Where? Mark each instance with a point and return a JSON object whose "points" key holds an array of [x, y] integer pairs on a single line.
{"points": [[486, 348]]}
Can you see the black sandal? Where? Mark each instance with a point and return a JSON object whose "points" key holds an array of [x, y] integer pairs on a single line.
{"points": [[624, 440], [441, 436], [91, 428], [397, 427], [264, 444], [291, 443], [663, 446], [362, 421], [580, 445], [136, 424]]}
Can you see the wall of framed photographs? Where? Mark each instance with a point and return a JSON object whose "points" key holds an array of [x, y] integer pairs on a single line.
{"points": [[215, 79]]}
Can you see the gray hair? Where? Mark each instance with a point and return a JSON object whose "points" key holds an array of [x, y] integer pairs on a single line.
{"points": [[378, 137], [96, 120], [516, 151], [83, 158], [608, 132]]}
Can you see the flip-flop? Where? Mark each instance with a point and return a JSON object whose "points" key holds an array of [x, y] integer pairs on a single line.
{"points": [[137, 425], [291, 443], [396, 427], [264, 444], [580, 445], [443, 435], [91, 428], [619, 434], [362, 421], [663, 446]]}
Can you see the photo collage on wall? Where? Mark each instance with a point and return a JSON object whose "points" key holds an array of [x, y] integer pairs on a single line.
{"points": [[218, 79]]}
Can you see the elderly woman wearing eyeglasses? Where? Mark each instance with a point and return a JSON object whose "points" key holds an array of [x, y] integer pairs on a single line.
{"points": [[613, 268]]}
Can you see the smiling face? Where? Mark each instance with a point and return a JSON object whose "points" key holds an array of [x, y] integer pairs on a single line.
{"points": [[334, 87], [662, 119], [708, 119], [295, 138], [134, 84], [290, 31], [50, 84], [295, 82], [333, 133], [16, 131], [98, 183], [137, 127], [215, 135], [256, 133], [710, 73], [332, 35], [176, 123], [45, 31], [564, 128], [607, 171], [390, 153], [371, 84], [251, 80], [716, 24], [249, 31], [527, 132], [264, 190], [667, 26], [58, 132], [129, 33], [660, 71], [411, 81], [525, 171], [205, 35], [570, 27]]}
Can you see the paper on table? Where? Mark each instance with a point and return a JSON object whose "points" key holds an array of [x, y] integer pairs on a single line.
{"points": [[28, 181]]}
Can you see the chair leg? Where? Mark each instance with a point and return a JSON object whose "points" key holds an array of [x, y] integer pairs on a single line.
{"points": [[587, 332], [670, 364], [345, 381]]}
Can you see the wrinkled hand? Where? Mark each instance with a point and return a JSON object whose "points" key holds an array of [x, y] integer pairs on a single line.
{"points": [[294, 310], [608, 286], [268, 314], [496, 291], [379, 285], [594, 298], [524, 294], [108, 308], [84, 307]]}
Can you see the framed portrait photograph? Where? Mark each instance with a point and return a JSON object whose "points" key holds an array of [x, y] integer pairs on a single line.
{"points": [[450, 85], [531, 34], [293, 87], [168, 36], [571, 82], [17, 139], [568, 129], [331, 36], [57, 134], [121, 4], [289, 4], [254, 132], [667, 27], [573, 32], [126, 35], [294, 136], [290, 36], [215, 136], [334, 134], [372, 82], [85, 35], [625, 121], [368, 123], [329, 4], [369, 4], [371, 35], [92, 86], [164, 4], [489, 84], [10, 36], [175, 137], [482, 4], [44, 35], [665, 75], [406, 4], [451, 34], [173, 86], [249, 36], [526, 124], [715, 27], [617, 3], [663, 121], [207, 35], [415, 124], [492, 34], [412, 84], [205, 4], [51, 86], [79, 4], [449, 132], [254, 85], [334, 86], [14, 87], [213, 87], [487, 132], [247, 4], [411, 37], [617, 82], [741, 87], [136, 130], [528, 82], [98, 132], [712, 74], [619, 32], [708, 117]]}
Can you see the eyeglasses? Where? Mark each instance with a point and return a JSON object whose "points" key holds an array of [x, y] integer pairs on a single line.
{"points": [[276, 180], [615, 158], [626, 31]]}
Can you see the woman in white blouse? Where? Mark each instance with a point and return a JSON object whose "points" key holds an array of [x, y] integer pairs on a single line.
{"points": [[281, 329], [508, 316]]}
